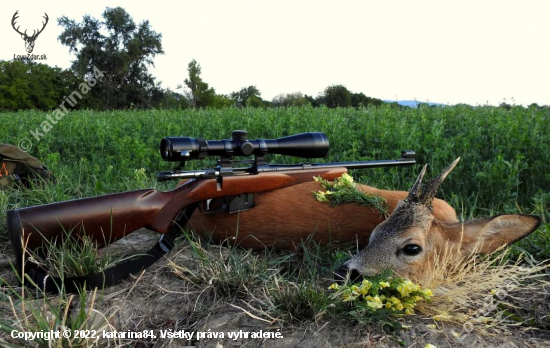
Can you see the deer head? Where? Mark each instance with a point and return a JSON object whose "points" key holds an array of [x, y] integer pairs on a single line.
{"points": [[29, 40], [409, 240]]}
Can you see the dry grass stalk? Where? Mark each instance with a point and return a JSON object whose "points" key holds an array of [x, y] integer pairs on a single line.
{"points": [[477, 291]]}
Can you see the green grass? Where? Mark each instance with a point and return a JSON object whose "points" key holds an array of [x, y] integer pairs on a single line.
{"points": [[230, 272], [33, 310], [505, 166], [75, 256], [39, 313]]}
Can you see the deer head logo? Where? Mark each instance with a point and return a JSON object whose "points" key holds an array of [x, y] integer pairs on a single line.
{"points": [[29, 40]]}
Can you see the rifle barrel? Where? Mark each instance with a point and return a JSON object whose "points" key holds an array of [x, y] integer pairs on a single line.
{"points": [[205, 174], [348, 165]]}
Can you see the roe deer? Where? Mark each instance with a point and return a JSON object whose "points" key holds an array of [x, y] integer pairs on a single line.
{"points": [[285, 217], [412, 236]]}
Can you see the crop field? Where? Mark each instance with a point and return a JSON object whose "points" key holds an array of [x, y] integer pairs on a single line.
{"points": [[504, 168]]}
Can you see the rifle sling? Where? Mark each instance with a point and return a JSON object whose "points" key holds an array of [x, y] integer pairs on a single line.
{"points": [[116, 273]]}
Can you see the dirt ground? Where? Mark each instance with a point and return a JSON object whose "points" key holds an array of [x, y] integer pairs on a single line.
{"points": [[158, 300]]}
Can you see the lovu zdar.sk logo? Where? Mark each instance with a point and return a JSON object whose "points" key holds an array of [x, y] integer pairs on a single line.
{"points": [[29, 40]]}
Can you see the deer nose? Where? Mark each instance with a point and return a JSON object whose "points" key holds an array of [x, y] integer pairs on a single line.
{"points": [[342, 272]]}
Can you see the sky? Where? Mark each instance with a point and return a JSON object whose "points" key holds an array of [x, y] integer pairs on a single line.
{"points": [[476, 52]]}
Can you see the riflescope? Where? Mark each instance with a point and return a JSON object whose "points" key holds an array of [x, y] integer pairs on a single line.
{"points": [[308, 145]]}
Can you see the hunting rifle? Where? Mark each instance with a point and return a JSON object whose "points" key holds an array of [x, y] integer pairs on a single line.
{"points": [[110, 217]]}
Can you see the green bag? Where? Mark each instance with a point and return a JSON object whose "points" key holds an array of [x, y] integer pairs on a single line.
{"points": [[18, 167]]}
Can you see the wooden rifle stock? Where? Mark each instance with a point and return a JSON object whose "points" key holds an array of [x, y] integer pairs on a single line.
{"points": [[108, 218]]}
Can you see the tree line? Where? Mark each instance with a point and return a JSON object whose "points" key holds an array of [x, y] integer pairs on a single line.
{"points": [[124, 50], [30, 85]]}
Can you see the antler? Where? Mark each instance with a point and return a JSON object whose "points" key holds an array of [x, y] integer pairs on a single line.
{"points": [[424, 194], [431, 187], [13, 24], [43, 26], [416, 190]]}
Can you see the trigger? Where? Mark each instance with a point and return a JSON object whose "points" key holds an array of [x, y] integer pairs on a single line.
{"points": [[213, 206]]}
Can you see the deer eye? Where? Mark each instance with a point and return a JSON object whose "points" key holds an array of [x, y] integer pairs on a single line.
{"points": [[412, 249]]}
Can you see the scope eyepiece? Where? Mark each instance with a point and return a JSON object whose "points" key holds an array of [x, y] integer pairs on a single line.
{"points": [[308, 145]]}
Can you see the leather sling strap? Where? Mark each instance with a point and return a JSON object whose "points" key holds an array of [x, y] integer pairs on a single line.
{"points": [[112, 275]]}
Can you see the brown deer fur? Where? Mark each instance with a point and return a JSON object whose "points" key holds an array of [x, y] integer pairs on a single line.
{"points": [[289, 215], [414, 235]]}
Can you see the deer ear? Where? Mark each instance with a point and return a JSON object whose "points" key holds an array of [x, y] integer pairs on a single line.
{"points": [[488, 234], [23, 36]]}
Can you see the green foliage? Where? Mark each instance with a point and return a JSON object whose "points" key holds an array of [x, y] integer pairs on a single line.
{"points": [[298, 303], [168, 99], [315, 102], [504, 161], [290, 99], [378, 300], [359, 100], [343, 190], [336, 96], [395, 295], [255, 102], [76, 256], [339, 96], [231, 273], [29, 85], [200, 95], [221, 101], [248, 96], [121, 49], [38, 312], [505, 164]]}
